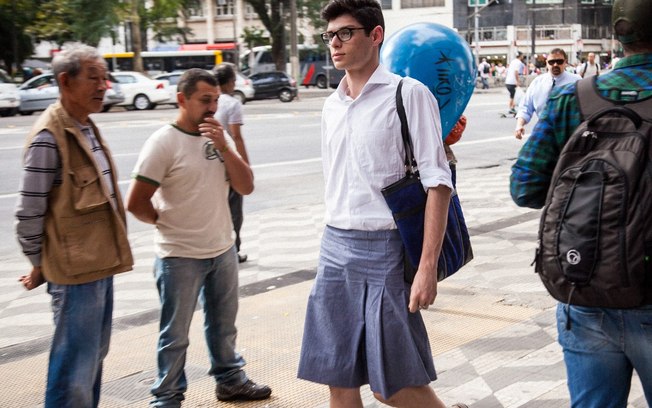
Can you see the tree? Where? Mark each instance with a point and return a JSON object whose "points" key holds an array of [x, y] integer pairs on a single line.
{"points": [[61, 21], [15, 15], [274, 23]]}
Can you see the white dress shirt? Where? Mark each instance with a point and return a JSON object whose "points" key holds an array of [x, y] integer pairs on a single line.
{"points": [[537, 93], [362, 148]]}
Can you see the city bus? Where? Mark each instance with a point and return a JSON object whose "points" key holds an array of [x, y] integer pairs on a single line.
{"points": [[157, 62], [315, 67]]}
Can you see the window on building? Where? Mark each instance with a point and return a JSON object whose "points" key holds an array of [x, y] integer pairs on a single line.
{"points": [[472, 3], [545, 1], [405, 4], [224, 7], [587, 1], [195, 9], [386, 4]]}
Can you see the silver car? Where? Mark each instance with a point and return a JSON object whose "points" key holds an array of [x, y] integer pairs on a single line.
{"points": [[244, 90], [37, 93], [9, 96]]}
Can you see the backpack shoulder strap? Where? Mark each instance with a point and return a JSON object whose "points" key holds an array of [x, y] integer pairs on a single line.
{"points": [[590, 101], [588, 98]]}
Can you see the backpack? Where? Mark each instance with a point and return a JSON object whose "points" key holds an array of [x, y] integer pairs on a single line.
{"points": [[595, 235], [486, 68], [586, 66]]}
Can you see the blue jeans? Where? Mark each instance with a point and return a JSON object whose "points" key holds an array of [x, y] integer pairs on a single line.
{"points": [[82, 319], [601, 349], [180, 282]]}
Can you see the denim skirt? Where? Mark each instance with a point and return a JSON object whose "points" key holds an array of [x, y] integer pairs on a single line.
{"points": [[358, 328]]}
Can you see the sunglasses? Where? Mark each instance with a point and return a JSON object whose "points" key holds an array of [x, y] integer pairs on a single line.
{"points": [[556, 61]]}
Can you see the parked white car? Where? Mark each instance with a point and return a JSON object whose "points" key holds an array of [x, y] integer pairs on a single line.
{"points": [[140, 91], [9, 96], [37, 93]]}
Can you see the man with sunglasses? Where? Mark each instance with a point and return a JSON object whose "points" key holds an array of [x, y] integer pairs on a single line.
{"points": [[363, 322], [537, 93]]}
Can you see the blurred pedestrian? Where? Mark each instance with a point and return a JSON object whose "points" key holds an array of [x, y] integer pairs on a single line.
{"points": [[72, 227], [229, 114], [485, 71], [514, 73], [589, 68]]}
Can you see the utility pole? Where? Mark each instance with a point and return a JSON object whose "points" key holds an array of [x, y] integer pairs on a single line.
{"points": [[294, 57], [476, 35], [476, 20], [534, 29]]}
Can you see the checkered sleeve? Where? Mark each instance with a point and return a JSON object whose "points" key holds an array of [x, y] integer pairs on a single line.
{"points": [[532, 173]]}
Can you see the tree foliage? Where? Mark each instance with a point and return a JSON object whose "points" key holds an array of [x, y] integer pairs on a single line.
{"points": [[275, 16], [15, 15], [61, 21]]}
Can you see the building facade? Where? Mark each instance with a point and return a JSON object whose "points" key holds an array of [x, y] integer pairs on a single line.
{"points": [[505, 27]]}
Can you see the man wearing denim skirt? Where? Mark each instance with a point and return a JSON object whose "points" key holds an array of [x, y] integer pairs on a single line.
{"points": [[363, 322]]}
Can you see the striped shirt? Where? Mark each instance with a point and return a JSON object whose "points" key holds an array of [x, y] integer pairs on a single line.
{"points": [[41, 173], [532, 172]]}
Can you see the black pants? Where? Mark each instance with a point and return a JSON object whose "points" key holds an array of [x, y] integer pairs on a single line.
{"points": [[235, 204]]}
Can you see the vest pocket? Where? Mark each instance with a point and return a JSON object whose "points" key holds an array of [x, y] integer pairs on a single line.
{"points": [[86, 188], [89, 243]]}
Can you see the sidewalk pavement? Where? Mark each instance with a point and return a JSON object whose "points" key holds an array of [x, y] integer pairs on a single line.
{"points": [[492, 328]]}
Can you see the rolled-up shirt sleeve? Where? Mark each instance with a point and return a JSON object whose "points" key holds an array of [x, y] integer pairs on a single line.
{"points": [[427, 137], [41, 171]]}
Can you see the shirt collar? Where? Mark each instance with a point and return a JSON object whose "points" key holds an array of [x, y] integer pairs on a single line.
{"points": [[380, 76], [634, 60]]}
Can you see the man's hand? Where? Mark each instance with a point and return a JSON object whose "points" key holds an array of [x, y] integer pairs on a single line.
{"points": [[519, 132], [424, 290], [33, 280]]}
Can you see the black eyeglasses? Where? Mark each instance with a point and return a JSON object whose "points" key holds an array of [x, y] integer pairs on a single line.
{"points": [[556, 61], [343, 34]]}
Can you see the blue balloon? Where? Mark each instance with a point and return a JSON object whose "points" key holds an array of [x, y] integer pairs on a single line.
{"points": [[439, 58]]}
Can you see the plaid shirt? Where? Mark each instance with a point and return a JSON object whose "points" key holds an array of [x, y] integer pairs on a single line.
{"points": [[631, 80]]}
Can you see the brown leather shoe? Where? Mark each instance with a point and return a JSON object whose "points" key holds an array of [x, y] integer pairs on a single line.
{"points": [[247, 391]]}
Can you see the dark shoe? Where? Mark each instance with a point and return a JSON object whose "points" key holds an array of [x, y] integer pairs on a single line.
{"points": [[242, 258], [459, 405], [245, 392]]}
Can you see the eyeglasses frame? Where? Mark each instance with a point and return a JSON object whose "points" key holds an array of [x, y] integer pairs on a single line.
{"points": [[333, 34]]}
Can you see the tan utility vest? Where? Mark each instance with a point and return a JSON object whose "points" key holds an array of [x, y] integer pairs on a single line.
{"points": [[85, 237]]}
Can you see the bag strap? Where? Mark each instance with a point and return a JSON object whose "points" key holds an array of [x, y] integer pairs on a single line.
{"points": [[409, 161], [591, 101]]}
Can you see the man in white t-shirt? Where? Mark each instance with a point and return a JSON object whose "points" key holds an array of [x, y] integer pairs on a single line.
{"points": [[181, 183], [515, 70], [589, 68], [485, 70], [229, 114]]}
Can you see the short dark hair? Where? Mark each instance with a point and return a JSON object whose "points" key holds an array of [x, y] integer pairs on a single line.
{"points": [[559, 51], [224, 73], [188, 82], [366, 12]]}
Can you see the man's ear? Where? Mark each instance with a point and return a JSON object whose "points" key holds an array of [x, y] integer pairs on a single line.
{"points": [[63, 79], [377, 35]]}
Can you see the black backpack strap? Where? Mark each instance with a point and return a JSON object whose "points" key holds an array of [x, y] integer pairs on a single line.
{"points": [[588, 98], [590, 101], [410, 162]]}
